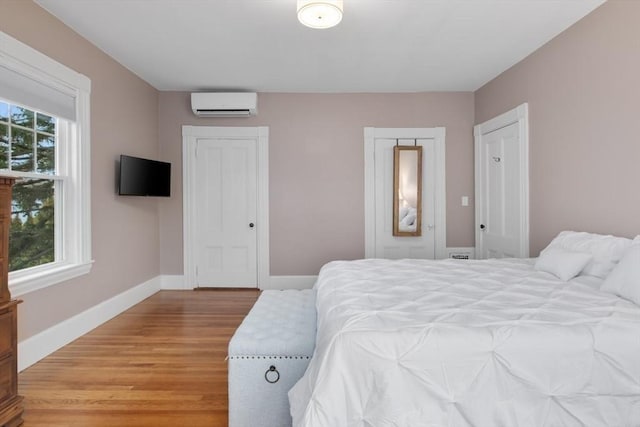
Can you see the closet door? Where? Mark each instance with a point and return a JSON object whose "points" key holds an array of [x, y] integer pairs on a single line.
{"points": [[225, 177], [386, 244], [226, 200], [379, 239], [502, 186]]}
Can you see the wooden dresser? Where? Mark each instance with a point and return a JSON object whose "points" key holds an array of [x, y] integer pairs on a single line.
{"points": [[10, 403]]}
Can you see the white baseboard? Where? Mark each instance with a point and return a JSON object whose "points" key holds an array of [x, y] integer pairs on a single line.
{"points": [[46, 342], [177, 282], [172, 282], [290, 282]]}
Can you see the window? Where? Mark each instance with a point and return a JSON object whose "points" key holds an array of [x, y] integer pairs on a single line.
{"points": [[27, 145], [44, 144]]}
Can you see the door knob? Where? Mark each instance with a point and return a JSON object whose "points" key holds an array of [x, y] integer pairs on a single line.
{"points": [[251, 225]]}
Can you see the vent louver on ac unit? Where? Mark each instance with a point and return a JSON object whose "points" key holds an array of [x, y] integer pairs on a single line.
{"points": [[224, 104]]}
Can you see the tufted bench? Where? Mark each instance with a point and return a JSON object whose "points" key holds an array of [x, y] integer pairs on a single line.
{"points": [[268, 354]]}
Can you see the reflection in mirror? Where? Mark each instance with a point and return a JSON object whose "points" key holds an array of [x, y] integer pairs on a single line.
{"points": [[407, 190]]}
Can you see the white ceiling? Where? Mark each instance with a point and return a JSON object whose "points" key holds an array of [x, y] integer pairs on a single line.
{"points": [[258, 45]]}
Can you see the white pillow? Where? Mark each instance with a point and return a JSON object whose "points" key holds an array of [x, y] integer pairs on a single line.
{"points": [[404, 210], [563, 264], [606, 251], [409, 219], [624, 280]]}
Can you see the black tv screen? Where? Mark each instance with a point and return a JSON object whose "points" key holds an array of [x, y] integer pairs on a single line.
{"points": [[144, 177]]}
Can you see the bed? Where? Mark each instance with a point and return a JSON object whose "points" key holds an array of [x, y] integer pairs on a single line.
{"points": [[470, 343]]}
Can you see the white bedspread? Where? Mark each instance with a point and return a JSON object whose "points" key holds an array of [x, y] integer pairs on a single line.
{"points": [[468, 343]]}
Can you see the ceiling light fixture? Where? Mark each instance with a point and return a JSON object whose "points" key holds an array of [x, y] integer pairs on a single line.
{"points": [[320, 13]]}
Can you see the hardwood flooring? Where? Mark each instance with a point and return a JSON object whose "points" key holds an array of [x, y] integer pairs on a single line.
{"points": [[161, 363]]}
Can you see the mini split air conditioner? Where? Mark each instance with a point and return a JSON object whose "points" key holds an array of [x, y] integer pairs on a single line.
{"points": [[224, 104]]}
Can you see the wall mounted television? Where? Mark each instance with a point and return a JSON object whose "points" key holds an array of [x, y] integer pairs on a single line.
{"points": [[144, 177]]}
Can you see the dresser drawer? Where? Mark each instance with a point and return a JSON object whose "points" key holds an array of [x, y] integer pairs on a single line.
{"points": [[6, 332], [8, 386]]}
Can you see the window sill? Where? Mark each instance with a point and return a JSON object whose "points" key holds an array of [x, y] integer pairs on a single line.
{"points": [[30, 280]]}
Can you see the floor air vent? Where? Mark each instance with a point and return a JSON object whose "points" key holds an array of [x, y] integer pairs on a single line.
{"points": [[461, 253]]}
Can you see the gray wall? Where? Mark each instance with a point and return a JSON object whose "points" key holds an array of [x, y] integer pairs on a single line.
{"points": [[124, 119], [583, 93], [316, 165]]}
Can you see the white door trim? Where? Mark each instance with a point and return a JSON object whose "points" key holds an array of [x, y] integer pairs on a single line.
{"points": [[438, 135], [518, 115], [190, 136]]}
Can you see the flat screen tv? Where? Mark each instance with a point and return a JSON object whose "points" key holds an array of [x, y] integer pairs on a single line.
{"points": [[144, 177]]}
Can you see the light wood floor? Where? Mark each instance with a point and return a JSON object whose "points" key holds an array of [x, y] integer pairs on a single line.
{"points": [[161, 363]]}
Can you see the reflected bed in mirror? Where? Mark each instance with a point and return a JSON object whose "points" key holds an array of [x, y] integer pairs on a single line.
{"points": [[407, 190]]}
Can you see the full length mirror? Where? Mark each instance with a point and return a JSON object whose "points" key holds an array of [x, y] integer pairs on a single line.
{"points": [[407, 190]]}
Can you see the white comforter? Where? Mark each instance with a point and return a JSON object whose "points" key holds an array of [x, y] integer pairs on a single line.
{"points": [[468, 343]]}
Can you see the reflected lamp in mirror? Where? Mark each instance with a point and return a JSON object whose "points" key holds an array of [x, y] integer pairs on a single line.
{"points": [[407, 190]]}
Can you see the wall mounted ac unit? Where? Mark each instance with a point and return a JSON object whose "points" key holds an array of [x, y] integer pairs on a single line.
{"points": [[224, 104]]}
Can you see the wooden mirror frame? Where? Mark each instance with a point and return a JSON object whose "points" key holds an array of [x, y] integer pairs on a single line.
{"points": [[398, 151]]}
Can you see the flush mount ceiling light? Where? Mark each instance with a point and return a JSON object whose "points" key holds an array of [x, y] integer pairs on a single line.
{"points": [[320, 13]]}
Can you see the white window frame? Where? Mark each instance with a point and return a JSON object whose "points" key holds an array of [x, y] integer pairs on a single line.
{"points": [[75, 243]]}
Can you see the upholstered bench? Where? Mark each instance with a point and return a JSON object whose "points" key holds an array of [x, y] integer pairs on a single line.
{"points": [[268, 354]]}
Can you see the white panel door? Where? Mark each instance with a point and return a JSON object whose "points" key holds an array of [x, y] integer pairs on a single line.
{"points": [[386, 244], [226, 196], [502, 191]]}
